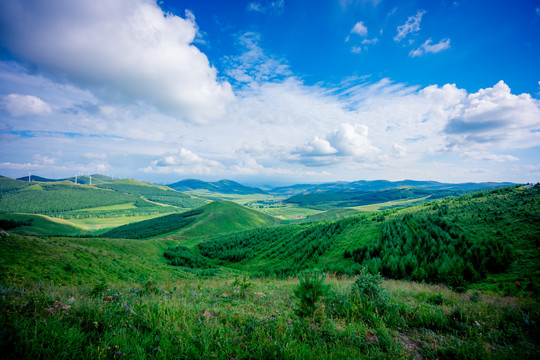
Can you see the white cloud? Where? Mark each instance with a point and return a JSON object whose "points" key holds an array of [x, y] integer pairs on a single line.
{"points": [[399, 151], [275, 7], [426, 47], [359, 29], [349, 140], [356, 49], [370, 41], [412, 25], [317, 147], [352, 140], [484, 155], [128, 50], [22, 105], [253, 65], [183, 162], [494, 116]]}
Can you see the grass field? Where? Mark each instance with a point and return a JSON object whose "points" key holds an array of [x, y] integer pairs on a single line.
{"points": [[98, 225], [88, 297], [118, 299]]}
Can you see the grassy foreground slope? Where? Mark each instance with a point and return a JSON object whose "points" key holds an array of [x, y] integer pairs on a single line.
{"points": [[68, 298], [211, 219]]}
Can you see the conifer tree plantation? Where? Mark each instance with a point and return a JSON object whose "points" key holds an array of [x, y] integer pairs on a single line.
{"points": [[222, 277]]}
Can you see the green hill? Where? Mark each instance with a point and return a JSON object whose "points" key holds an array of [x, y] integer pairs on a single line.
{"points": [[489, 237], [68, 199], [18, 196], [222, 186], [214, 218], [27, 224], [330, 200], [155, 193]]}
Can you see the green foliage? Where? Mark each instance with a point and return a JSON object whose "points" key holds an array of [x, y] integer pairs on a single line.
{"points": [[154, 227], [182, 256], [329, 200], [54, 198], [309, 292], [287, 249], [158, 194], [8, 224], [38, 224], [432, 248], [368, 287]]}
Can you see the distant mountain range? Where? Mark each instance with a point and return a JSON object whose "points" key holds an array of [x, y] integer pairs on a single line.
{"points": [[233, 187], [380, 185]]}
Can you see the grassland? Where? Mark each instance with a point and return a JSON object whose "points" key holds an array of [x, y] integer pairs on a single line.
{"points": [[118, 299], [115, 298]]}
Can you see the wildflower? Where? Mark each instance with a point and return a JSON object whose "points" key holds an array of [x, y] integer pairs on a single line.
{"points": [[118, 353]]}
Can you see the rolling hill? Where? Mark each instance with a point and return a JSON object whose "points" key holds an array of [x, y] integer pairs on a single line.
{"points": [[212, 219], [489, 237], [222, 186], [65, 197], [325, 200], [27, 224]]}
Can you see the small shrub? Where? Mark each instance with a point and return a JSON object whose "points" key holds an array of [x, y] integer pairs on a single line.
{"points": [[242, 286], [310, 290], [368, 287], [368, 296]]}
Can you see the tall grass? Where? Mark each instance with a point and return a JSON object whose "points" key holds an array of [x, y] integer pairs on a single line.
{"points": [[211, 318]]}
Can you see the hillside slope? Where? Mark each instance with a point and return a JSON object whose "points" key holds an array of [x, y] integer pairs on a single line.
{"points": [[54, 198], [222, 186], [212, 219], [489, 237]]}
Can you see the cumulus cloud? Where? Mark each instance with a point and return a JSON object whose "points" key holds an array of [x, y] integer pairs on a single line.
{"points": [[183, 161], [427, 47], [349, 140], [412, 25], [359, 29], [317, 147], [495, 116], [22, 105], [128, 50]]}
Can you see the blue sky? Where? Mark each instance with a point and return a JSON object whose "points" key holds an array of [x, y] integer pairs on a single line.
{"points": [[275, 91]]}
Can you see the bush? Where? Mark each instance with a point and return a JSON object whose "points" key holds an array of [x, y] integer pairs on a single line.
{"points": [[309, 292], [368, 296]]}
